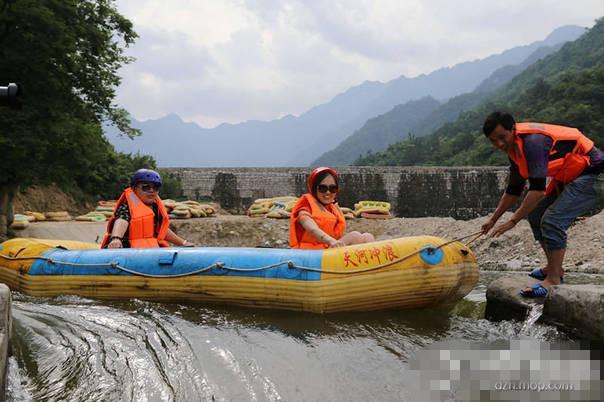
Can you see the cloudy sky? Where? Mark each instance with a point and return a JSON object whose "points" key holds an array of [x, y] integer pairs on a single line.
{"points": [[214, 61]]}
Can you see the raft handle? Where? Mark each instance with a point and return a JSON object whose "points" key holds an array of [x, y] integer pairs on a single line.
{"points": [[167, 258]]}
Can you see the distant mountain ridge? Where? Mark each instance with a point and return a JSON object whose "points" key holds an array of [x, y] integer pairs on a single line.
{"points": [[296, 141], [407, 120], [564, 88]]}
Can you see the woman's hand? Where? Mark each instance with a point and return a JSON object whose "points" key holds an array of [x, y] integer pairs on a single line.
{"points": [[115, 243], [186, 243], [333, 243]]}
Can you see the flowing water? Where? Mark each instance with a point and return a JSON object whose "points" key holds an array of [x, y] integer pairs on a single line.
{"points": [[70, 348]]}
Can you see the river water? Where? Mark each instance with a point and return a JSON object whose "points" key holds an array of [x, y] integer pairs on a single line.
{"points": [[70, 348]]}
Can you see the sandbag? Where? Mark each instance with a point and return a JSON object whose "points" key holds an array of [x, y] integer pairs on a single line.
{"points": [[190, 202], [180, 212], [208, 209], [91, 218], [278, 214], [197, 213], [38, 216], [19, 224], [258, 213], [60, 218], [374, 211], [56, 214], [107, 204], [364, 205], [169, 204], [262, 205], [22, 217], [369, 215]]}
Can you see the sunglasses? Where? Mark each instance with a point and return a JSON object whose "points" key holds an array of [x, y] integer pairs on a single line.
{"points": [[322, 188], [149, 187]]}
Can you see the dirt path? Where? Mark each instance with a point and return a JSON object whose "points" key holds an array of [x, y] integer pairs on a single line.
{"points": [[516, 250]]}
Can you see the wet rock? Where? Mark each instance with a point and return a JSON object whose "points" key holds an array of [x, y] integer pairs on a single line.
{"points": [[5, 334], [579, 308], [504, 301]]}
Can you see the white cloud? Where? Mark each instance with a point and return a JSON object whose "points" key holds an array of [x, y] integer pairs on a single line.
{"points": [[234, 60]]}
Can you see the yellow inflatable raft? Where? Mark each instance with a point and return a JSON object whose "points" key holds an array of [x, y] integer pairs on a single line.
{"points": [[402, 273]]}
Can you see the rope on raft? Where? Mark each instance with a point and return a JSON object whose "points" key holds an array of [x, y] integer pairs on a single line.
{"points": [[220, 265]]}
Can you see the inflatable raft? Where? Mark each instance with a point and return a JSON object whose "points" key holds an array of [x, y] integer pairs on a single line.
{"points": [[402, 273]]}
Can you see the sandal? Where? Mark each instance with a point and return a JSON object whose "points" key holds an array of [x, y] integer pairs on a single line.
{"points": [[540, 275], [537, 290]]}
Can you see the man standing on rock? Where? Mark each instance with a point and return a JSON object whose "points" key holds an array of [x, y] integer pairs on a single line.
{"points": [[537, 151]]}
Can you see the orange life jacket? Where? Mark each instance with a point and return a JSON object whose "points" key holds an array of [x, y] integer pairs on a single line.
{"points": [[141, 230], [562, 167], [329, 218]]}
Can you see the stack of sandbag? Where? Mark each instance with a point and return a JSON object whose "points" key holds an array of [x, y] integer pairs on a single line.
{"points": [[372, 210], [104, 208], [279, 210], [92, 217], [37, 216], [102, 212], [188, 209], [58, 216], [21, 221], [277, 207], [347, 212]]}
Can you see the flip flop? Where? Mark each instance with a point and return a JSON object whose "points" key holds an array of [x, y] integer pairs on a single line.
{"points": [[540, 274], [537, 290]]}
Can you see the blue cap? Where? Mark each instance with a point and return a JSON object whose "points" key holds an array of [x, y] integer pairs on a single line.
{"points": [[147, 175]]}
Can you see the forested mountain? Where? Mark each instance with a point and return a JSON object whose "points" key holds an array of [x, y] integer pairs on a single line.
{"points": [[298, 140], [379, 132], [565, 88], [404, 121]]}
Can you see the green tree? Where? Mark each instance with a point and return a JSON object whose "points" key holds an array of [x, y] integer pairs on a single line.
{"points": [[66, 54]]}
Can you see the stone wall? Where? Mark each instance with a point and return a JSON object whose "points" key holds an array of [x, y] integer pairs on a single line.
{"points": [[459, 192]]}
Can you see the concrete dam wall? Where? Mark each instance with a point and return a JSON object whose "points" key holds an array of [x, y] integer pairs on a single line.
{"points": [[458, 192]]}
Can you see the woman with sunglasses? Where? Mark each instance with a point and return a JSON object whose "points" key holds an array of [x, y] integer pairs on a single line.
{"points": [[140, 219], [316, 220]]}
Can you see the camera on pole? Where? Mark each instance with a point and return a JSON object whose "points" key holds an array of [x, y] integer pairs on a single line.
{"points": [[9, 95]]}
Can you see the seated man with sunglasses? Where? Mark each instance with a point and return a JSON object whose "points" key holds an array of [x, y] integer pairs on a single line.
{"points": [[140, 219], [316, 220]]}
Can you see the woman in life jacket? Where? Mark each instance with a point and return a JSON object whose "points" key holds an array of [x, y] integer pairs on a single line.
{"points": [[316, 220], [140, 219]]}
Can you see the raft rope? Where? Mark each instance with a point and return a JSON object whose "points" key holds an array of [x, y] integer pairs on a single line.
{"points": [[220, 265]]}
